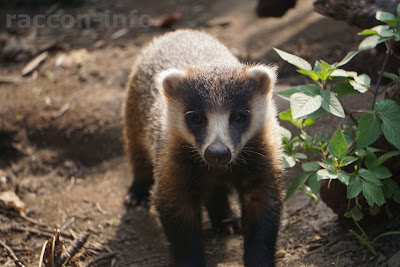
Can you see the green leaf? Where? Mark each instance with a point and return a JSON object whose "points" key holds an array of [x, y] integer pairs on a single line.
{"points": [[347, 160], [309, 122], [288, 161], [302, 104], [347, 58], [392, 189], [363, 79], [373, 194], [322, 138], [386, 17], [356, 213], [375, 30], [323, 69], [343, 177], [382, 172], [359, 87], [338, 145], [369, 177], [328, 165], [285, 115], [391, 76], [360, 152], [299, 156], [285, 133], [398, 10], [389, 111], [344, 89], [313, 183], [297, 182], [368, 130], [369, 42], [310, 166], [371, 161], [331, 104], [309, 73], [388, 34], [294, 60], [326, 175], [387, 156], [308, 89], [350, 136], [317, 114], [355, 187], [387, 106], [391, 128], [374, 210], [343, 73], [309, 192]]}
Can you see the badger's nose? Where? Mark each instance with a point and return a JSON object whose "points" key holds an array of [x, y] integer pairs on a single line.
{"points": [[217, 154]]}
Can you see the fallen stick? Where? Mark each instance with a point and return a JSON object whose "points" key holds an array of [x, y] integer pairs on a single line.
{"points": [[102, 257], [34, 63], [10, 253]]}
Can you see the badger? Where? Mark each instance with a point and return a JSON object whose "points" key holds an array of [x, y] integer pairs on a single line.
{"points": [[199, 124]]}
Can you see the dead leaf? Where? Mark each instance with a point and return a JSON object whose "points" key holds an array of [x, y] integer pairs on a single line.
{"points": [[166, 20], [10, 200]]}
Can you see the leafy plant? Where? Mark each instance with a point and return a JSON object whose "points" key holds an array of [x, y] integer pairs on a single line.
{"points": [[366, 241], [348, 155]]}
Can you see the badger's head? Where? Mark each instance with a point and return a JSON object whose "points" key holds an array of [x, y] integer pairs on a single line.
{"points": [[217, 110]]}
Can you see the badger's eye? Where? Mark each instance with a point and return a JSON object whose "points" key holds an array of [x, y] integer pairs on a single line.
{"points": [[195, 117], [240, 116]]}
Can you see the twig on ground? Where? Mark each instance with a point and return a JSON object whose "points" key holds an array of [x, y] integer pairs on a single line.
{"points": [[26, 218], [321, 248], [10, 253], [67, 224], [102, 257], [42, 253], [100, 209], [42, 232]]}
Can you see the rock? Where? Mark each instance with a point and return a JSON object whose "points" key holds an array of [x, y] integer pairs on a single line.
{"points": [[357, 12], [394, 260], [341, 246]]}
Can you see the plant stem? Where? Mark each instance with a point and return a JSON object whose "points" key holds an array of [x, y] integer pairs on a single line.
{"points": [[350, 114], [378, 84]]}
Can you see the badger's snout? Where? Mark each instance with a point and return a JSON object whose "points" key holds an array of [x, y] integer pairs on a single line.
{"points": [[217, 154]]}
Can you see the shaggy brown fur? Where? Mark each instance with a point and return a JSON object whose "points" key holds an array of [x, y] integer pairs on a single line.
{"points": [[176, 74]]}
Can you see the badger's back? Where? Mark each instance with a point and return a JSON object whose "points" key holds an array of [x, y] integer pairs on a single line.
{"points": [[183, 49]]}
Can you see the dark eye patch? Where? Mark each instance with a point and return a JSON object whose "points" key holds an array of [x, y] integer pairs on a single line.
{"points": [[239, 121], [196, 122]]}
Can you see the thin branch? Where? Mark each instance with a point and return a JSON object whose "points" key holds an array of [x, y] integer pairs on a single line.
{"points": [[350, 114], [378, 84]]}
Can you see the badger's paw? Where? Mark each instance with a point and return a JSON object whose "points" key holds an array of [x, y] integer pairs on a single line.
{"points": [[137, 198], [228, 226]]}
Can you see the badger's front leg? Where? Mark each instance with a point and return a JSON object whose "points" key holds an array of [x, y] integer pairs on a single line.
{"points": [[261, 210], [177, 198]]}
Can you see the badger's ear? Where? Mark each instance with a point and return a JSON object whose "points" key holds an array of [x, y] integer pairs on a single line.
{"points": [[169, 82], [264, 77]]}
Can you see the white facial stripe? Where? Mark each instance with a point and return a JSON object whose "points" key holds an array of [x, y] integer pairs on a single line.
{"points": [[258, 116], [218, 129]]}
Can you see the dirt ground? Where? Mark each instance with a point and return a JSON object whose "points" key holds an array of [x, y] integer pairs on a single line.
{"points": [[61, 150]]}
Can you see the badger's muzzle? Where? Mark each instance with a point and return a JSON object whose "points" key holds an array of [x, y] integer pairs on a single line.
{"points": [[217, 154]]}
